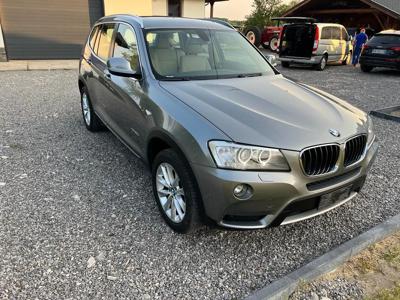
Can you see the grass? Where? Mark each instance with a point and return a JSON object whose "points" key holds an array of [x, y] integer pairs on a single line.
{"points": [[387, 294], [392, 256]]}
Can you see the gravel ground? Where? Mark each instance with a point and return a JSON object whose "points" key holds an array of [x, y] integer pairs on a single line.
{"points": [[78, 220]]}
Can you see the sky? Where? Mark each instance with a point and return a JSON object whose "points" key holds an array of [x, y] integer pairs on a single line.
{"points": [[232, 9]]}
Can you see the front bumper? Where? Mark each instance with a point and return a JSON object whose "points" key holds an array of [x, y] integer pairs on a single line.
{"points": [[278, 197]]}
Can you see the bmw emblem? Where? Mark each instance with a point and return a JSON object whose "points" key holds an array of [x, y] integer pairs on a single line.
{"points": [[334, 132]]}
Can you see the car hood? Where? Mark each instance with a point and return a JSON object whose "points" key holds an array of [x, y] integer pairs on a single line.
{"points": [[270, 111]]}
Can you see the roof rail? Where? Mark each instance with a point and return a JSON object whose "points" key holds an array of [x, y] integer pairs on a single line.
{"points": [[136, 17]]}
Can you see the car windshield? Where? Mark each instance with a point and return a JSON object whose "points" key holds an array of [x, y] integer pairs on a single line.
{"points": [[186, 54]]}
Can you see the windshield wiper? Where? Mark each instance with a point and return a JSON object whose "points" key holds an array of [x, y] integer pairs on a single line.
{"points": [[249, 75], [176, 79]]}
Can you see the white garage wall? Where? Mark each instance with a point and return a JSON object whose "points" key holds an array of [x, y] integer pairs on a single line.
{"points": [[190, 8], [193, 8], [160, 7]]}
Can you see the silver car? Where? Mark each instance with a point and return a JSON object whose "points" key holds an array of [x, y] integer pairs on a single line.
{"points": [[226, 136], [314, 44]]}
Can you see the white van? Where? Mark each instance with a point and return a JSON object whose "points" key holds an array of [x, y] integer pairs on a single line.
{"points": [[314, 44]]}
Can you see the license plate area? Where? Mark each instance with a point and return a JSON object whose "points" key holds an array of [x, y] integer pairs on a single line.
{"points": [[334, 197], [379, 51]]}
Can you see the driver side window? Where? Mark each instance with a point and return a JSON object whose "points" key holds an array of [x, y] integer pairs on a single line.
{"points": [[125, 45]]}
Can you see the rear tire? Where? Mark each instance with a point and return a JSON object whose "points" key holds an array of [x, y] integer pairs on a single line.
{"points": [[366, 69], [285, 64], [91, 120], [253, 34], [273, 44], [185, 217], [322, 64]]}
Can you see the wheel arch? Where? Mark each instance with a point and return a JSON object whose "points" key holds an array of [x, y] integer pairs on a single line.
{"points": [[159, 140]]}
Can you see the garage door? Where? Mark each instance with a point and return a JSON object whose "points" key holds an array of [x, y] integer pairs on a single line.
{"points": [[47, 29]]}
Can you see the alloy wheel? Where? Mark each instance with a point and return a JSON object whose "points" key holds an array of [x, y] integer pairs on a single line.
{"points": [[170, 192], [86, 108]]}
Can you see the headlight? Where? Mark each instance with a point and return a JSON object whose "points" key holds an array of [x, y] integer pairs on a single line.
{"points": [[242, 157], [371, 134]]}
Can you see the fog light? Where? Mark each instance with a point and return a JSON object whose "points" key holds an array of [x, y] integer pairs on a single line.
{"points": [[242, 191]]}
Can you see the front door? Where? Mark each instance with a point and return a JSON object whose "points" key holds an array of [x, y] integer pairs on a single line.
{"points": [[127, 103]]}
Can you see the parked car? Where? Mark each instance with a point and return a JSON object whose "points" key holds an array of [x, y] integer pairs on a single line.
{"points": [[383, 50], [315, 44], [225, 135]]}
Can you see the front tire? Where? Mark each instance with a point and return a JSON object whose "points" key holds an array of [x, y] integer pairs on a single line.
{"points": [[285, 64], [91, 120], [347, 60], [175, 190]]}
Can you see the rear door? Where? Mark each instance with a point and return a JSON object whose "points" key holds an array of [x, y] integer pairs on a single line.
{"points": [[101, 78]]}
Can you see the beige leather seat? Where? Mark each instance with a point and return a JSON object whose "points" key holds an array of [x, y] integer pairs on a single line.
{"points": [[165, 58], [194, 60]]}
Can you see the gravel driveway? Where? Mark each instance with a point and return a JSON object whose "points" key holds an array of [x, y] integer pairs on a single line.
{"points": [[78, 219]]}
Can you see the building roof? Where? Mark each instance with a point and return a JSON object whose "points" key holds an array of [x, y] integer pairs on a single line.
{"points": [[393, 5]]}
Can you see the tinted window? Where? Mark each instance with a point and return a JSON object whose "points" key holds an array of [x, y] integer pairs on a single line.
{"points": [[335, 33], [386, 39], [105, 36], [93, 36], [345, 36], [126, 46], [326, 33]]}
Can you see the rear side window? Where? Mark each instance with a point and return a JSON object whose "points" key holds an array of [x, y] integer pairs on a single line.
{"points": [[330, 33], [326, 33], [125, 45], [336, 33], [105, 37], [93, 35]]}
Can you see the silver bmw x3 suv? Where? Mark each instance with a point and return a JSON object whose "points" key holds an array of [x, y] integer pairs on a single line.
{"points": [[227, 137]]}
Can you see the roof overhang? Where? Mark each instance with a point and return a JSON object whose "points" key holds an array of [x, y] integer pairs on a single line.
{"points": [[371, 3]]}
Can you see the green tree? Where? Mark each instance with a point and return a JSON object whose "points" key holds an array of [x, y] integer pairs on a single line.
{"points": [[265, 10]]}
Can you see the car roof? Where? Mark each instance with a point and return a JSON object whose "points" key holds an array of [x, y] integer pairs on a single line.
{"points": [[148, 22], [390, 31]]}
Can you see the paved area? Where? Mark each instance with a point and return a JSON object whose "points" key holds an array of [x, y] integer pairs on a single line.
{"points": [[78, 220], [34, 65]]}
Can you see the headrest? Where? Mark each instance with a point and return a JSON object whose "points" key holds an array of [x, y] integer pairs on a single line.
{"points": [[193, 47], [163, 41]]}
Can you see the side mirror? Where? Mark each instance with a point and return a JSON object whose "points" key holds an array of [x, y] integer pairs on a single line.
{"points": [[121, 67]]}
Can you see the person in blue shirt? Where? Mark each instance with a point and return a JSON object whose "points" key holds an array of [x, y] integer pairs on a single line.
{"points": [[359, 42]]}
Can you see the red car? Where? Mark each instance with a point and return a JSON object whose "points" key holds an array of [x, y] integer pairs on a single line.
{"points": [[269, 36]]}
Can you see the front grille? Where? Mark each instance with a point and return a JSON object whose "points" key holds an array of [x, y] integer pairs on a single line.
{"points": [[354, 149], [320, 160]]}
